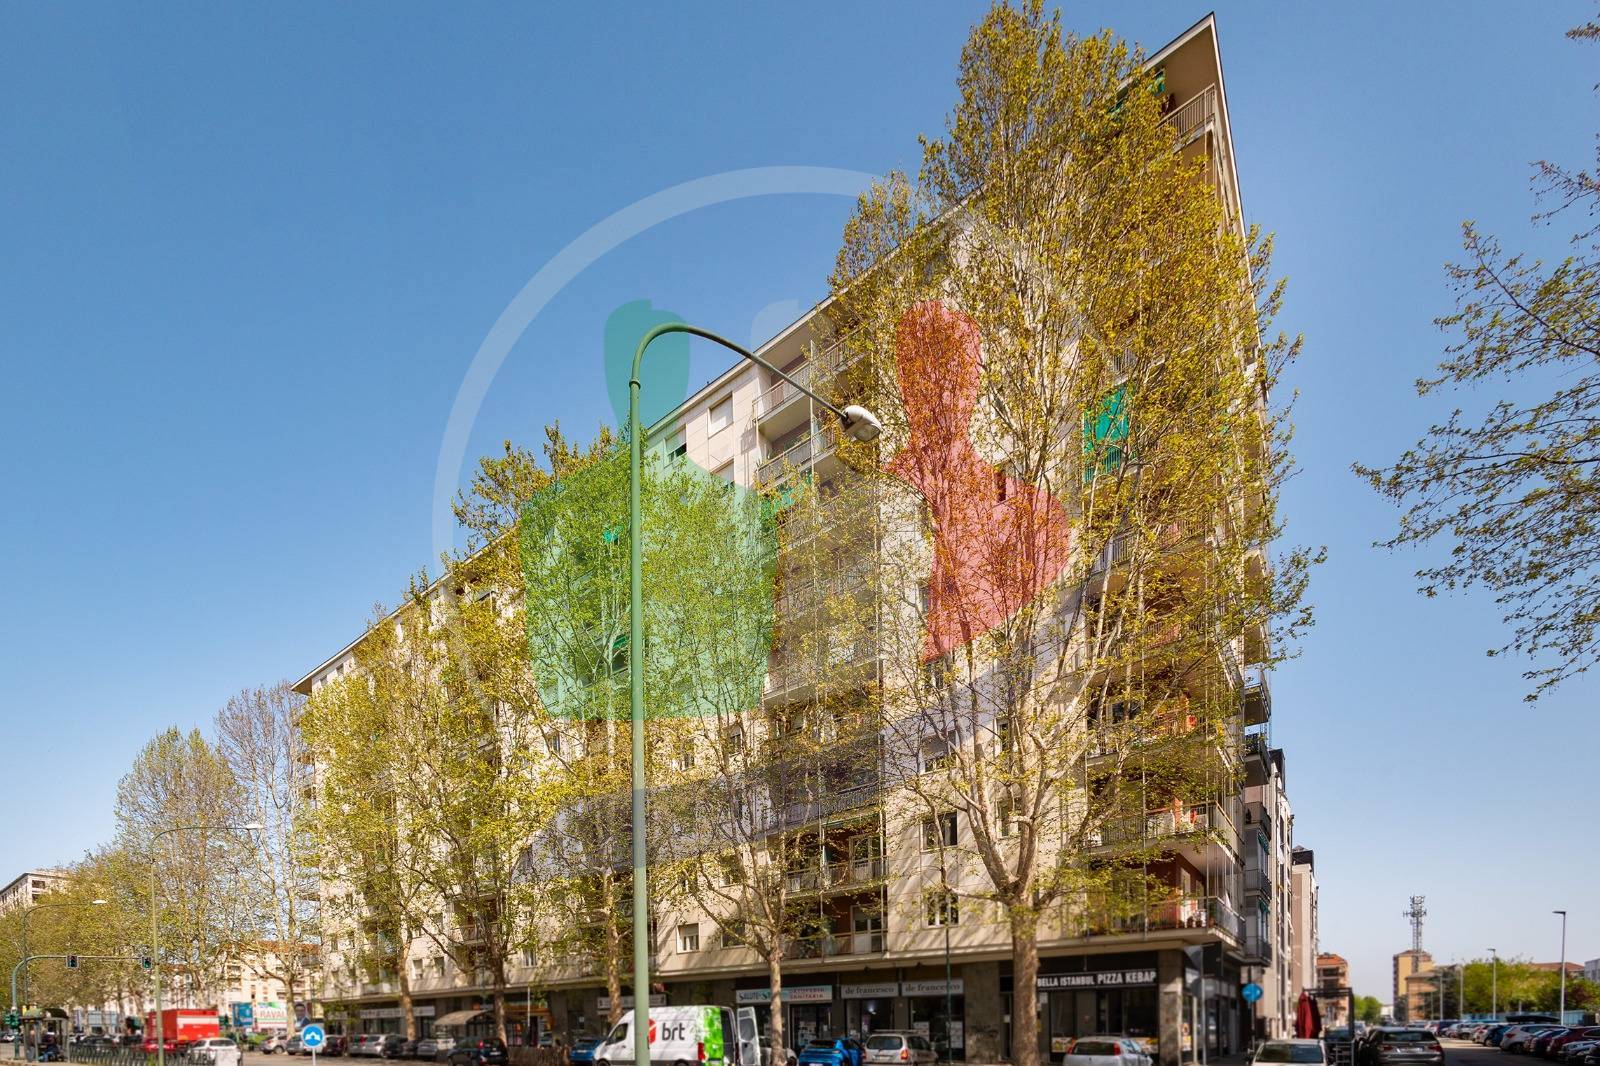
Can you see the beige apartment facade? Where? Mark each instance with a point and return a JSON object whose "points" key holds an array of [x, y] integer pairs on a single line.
{"points": [[26, 889], [1303, 936], [1171, 974]]}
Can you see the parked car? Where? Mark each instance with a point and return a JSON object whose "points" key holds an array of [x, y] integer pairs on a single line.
{"points": [[388, 1046], [1115, 1050], [789, 1057], [581, 1053], [831, 1051], [408, 1050], [1492, 1035], [1404, 1047], [219, 1050], [1576, 1034], [884, 1048], [336, 1044], [292, 1045], [273, 1044], [1577, 1049], [484, 1051], [1303, 1052], [442, 1046], [1519, 1038], [1540, 1045]]}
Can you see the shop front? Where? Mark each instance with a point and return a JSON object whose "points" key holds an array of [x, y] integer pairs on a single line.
{"points": [[1087, 995], [809, 1011], [868, 1007], [938, 1011]]}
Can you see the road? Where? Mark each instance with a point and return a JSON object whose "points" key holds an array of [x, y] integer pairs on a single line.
{"points": [[1466, 1053]]}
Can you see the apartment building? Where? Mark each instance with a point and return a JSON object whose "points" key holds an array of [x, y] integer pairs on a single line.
{"points": [[1410, 998], [1303, 906], [25, 889], [875, 957], [1269, 914]]}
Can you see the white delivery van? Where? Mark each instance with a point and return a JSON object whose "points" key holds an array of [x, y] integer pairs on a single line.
{"points": [[687, 1036]]}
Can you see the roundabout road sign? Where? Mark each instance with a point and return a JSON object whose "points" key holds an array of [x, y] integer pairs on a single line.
{"points": [[312, 1037]]}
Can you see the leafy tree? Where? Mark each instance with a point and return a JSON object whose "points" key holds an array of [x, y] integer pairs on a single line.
{"points": [[258, 734], [1368, 1009], [1063, 671], [364, 726], [182, 782], [1515, 491]]}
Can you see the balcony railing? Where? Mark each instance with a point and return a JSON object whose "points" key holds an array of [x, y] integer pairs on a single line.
{"points": [[860, 873], [781, 393], [797, 456], [1191, 118], [1257, 947], [830, 945], [1193, 912]]}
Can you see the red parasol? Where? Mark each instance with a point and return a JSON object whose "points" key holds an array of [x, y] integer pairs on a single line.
{"points": [[1307, 1018]]}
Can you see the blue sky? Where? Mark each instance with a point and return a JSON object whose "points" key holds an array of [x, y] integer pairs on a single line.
{"points": [[251, 253]]}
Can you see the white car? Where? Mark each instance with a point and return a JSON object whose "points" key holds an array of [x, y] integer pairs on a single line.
{"points": [[882, 1049], [218, 1050], [1105, 1051], [1298, 1052]]}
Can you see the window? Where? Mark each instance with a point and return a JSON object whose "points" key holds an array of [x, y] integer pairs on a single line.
{"points": [[935, 754], [939, 832], [735, 741], [1006, 817], [942, 909], [677, 447], [689, 937], [725, 471], [722, 414]]}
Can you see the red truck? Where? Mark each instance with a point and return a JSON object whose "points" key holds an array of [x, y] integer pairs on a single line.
{"points": [[179, 1028]]}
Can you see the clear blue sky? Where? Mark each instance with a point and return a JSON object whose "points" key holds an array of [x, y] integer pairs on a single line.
{"points": [[250, 253]]}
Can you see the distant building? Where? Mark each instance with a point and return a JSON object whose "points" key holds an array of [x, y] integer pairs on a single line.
{"points": [[1303, 908], [1408, 964], [25, 889], [1591, 971], [1333, 971]]}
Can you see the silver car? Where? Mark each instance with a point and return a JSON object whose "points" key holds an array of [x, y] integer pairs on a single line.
{"points": [[1105, 1051], [894, 1047], [1295, 1052]]}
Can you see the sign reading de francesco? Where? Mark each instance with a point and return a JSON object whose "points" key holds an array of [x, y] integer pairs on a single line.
{"points": [[793, 994]]}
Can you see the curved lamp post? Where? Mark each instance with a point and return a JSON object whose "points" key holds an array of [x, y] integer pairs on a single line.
{"points": [[16, 1045], [155, 912], [859, 424]]}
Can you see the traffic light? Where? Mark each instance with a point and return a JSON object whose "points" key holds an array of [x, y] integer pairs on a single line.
{"points": [[13, 1019], [144, 961], [72, 962]]}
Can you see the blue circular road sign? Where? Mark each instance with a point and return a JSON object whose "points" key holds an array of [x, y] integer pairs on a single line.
{"points": [[1251, 992], [312, 1037]]}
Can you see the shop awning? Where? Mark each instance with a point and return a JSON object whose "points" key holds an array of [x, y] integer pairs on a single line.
{"points": [[459, 1017]]}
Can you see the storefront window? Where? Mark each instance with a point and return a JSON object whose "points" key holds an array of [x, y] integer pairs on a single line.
{"points": [[929, 1017]]}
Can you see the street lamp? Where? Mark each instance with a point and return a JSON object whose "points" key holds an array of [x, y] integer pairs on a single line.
{"points": [[1494, 984], [155, 912], [859, 424], [16, 1045], [1562, 1017]]}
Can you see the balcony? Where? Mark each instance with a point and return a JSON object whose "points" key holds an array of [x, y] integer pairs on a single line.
{"points": [[832, 945], [800, 456], [844, 876], [1257, 949], [1257, 768], [1258, 881], [1102, 918], [1257, 702], [1194, 117], [782, 406]]}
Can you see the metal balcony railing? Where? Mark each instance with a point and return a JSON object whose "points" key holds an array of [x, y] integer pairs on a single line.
{"points": [[1191, 118], [798, 456], [830, 945]]}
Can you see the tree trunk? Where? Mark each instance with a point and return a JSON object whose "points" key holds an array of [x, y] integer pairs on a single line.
{"points": [[613, 954], [407, 1008], [775, 983], [500, 1007], [1024, 986]]}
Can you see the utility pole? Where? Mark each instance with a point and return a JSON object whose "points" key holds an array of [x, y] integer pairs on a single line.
{"points": [[1562, 1017], [1494, 984]]}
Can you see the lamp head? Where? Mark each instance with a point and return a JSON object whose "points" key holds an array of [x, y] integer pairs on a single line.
{"points": [[861, 424], [97, 903], [252, 827]]}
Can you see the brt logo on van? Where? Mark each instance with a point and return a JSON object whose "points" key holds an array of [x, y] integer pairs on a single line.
{"points": [[670, 1031]]}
